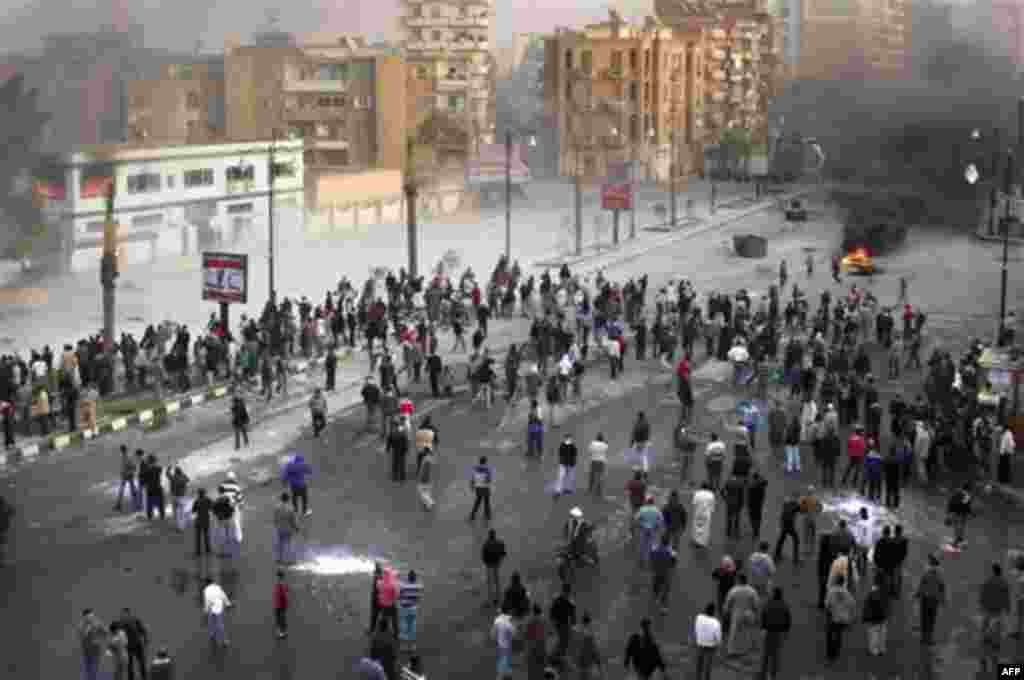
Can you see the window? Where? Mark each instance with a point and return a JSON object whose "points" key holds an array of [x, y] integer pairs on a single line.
{"points": [[586, 61], [424, 104], [435, 36], [456, 103], [192, 101], [417, 11], [421, 73], [568, 91], [568, 60], [143, 221], [435, 12], [617, 61], [332, 72], [418, 34], [239, 208], [185, 73], [331, 102], [143, 183], [170, 181], [647, 60], [238, 173], [634, 59], [198, 178], [284, 170], [634, 91]]}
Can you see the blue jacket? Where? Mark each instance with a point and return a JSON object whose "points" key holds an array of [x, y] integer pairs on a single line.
{"points": [[295, 471], [873, 466], [481, 476]]}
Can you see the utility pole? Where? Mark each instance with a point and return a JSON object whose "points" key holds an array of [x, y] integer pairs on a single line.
{"points": [[272, 171], [508, 195], [410, 208], [1008, 188], [109, 266], [672, 182], [632, 187]]}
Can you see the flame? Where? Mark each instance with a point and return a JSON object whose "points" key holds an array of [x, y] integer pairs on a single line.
{"points": [[858, 257]]}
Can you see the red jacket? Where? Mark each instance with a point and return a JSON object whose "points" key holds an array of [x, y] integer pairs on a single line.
{"points": [[683, 369], [855, 447], [280, 596]]}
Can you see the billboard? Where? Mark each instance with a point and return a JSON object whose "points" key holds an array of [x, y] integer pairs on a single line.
{"points": [[617, 192], [489, 166], [225, 277]]}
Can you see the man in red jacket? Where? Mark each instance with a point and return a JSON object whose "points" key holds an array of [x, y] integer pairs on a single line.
{"points": [[855, 450]]}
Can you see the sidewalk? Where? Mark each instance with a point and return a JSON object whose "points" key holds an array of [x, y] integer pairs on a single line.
{"points": [[353, 368]]}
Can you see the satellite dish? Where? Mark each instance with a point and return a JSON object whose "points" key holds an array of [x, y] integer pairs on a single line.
{"points": [[971, 174]]}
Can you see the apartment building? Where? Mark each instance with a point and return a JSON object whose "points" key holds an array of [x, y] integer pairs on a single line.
{"points": [[184, 104], [619, 91], [447, 51], [175, 200], [741, 61]]}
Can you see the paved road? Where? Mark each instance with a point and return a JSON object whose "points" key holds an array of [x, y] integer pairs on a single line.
{"points": [[67, 540]]}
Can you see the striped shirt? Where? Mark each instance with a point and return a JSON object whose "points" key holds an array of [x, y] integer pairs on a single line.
{"points": [[409, 594]]}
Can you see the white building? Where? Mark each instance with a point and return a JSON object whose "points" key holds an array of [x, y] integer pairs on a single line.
{"points": [[176, 200], [447, 42]]}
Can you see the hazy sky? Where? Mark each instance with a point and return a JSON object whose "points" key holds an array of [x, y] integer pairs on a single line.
{"points": [[181, 23]]}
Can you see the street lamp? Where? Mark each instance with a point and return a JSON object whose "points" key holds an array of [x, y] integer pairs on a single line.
{"points": [[532, 142], [972, 175]]}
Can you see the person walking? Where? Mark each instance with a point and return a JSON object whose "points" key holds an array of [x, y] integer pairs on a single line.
{"points": [[840, 608], [994, 599], [587, 657], [178, 482], [397, 445], [742, 609], [776, 622], [481, 481], [643, 655], [202, 509], [384, 650], [493, 554], [424, 486], [756, 491], [410, 593], [707, 633], [240, 421], [787, 528], [931, 594], [295, 475], [761, 570], [703, 514], [562, 614], [503, 632], [714, 462], [286, 525], [232, 491], [536, 638], [810, 509], [215, 604], [568, 454], [674, 513], [876, 616], [386, 591], [534, 430], [92, 639], [279, 601], [891, 473], [792, 447], [598, 450], [959, 510], [663, 562], [856, 449], [649, 524], [162, 667], [127, 480], [372, 396], [734, 492], [1017, 582], [153, 483], [318, 412]]}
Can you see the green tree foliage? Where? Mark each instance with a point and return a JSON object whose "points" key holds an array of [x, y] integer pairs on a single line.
{"points": [[21, 128]]}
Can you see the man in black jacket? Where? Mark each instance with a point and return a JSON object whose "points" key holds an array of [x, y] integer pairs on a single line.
{"points": [[568, 454], [885, 560], [154, 488], [138, 638], [755, 503], [371, 399], [398, 446], [202, 507], [790, 511], [493, 554], [563, 618], [776, 621], [434, 369]]}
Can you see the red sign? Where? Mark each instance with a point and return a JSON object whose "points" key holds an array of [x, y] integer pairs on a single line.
{"points": [[617, 192]]}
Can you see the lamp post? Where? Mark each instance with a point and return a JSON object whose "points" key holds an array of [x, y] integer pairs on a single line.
{"points": [[411, 192], [673, 202], [532, 141], [271, 246], [109, 266]]}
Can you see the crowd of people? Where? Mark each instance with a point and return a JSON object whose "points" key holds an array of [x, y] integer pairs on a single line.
{"points": [[827, 360]]}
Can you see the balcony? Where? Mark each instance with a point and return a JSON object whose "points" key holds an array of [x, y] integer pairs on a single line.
{"points": [[415, 21], [470, 46], [613, 141], [329, 86], [425, 45], [327, 144], [613, 73], [455, 84], [469, 22]]}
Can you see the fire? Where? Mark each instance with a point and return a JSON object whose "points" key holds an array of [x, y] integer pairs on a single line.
{"points": [[858, 259]]}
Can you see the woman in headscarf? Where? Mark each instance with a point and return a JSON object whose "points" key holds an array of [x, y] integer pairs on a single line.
{"points": [[725, 578], [742, 609]]}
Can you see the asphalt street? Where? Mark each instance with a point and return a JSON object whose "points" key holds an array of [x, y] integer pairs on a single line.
{"points": [[71, 551]]}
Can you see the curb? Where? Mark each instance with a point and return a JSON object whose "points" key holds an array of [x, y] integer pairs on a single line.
{"points": [[59, 442], [703, 225]]}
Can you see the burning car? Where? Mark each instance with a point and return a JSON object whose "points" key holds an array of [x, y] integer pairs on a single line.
{"points": [[858, 261]]}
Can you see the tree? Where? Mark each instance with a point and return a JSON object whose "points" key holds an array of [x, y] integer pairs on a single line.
{"points": [[21, 129], [736, 146]]}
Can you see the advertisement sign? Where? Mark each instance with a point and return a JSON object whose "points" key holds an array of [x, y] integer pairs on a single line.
{"points": [[617, 192], [225, 277], [488, 167]]}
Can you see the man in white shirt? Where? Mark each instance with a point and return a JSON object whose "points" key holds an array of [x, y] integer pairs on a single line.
{"points": [[215, 602], [707, 632], [598, 459], [611, 346], [714, 461], [503, 632], [1007, 447], [864, 535]]}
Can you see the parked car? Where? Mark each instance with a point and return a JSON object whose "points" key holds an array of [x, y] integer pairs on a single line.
{"points": [[795, 211]]}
